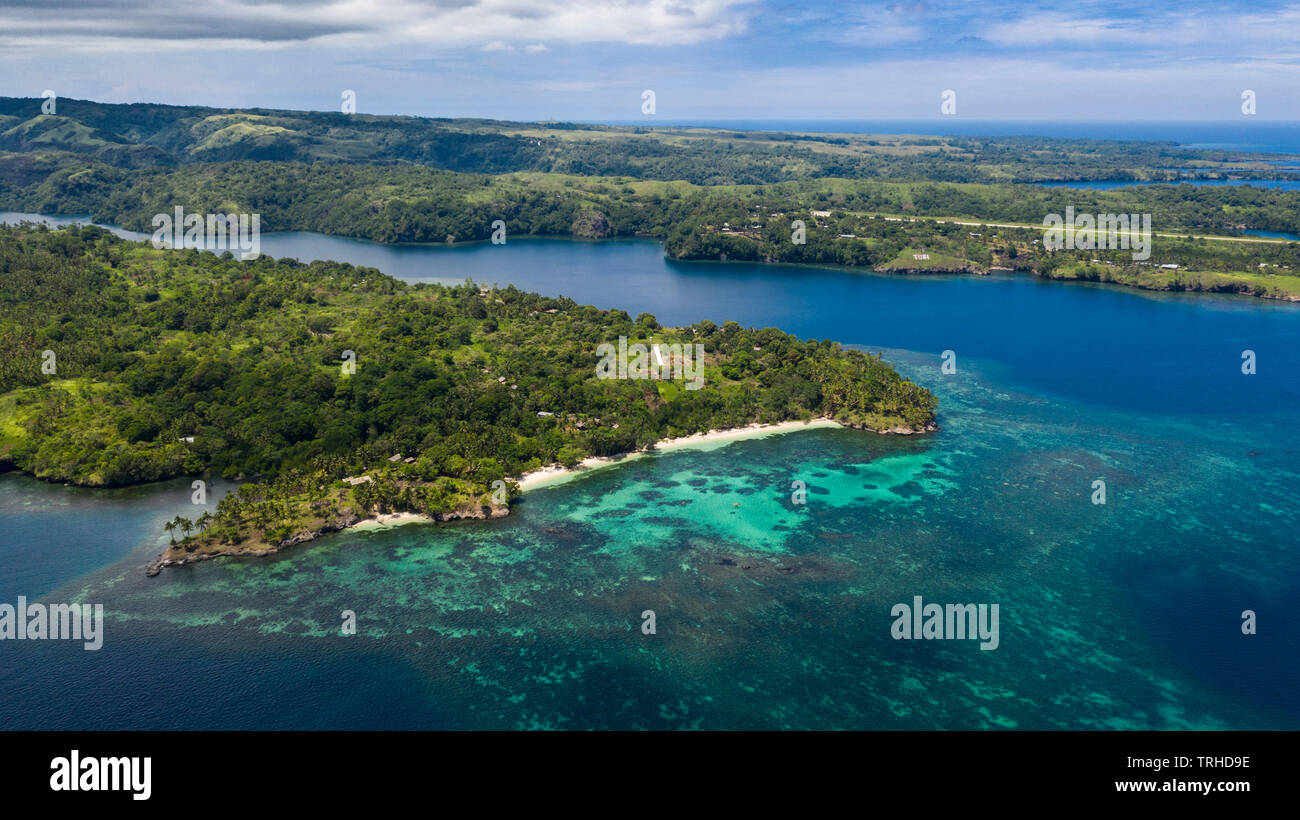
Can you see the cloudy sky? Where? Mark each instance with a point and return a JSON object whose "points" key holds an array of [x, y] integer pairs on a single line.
{"points": [[704, 59]]}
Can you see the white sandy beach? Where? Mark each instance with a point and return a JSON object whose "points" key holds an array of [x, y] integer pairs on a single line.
{"points": [[391, 520], [555, 473]]}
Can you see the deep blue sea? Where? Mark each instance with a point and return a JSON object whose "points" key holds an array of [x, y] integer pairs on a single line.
{"points": [[770, 614], [1244, 134]]}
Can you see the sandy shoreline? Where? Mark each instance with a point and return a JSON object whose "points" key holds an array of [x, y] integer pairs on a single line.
{"points": [[538, 478], [390, 520], [556, 474]]}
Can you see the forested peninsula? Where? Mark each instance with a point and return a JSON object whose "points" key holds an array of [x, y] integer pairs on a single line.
{"points": [[336, 392]]}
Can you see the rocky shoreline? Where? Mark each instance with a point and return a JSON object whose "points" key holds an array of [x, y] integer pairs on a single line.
{"points": [[177, 556], [930, 427], [174, 557]]}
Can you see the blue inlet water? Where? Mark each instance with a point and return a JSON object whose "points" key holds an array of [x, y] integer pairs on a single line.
{"points": [[1086, 342], [770, 614], [1108, 346]]}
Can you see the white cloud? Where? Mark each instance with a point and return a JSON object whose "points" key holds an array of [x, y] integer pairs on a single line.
{"points": [[1158, 32], [575, 86], [988, 88], [225, 24], [871, 26]]}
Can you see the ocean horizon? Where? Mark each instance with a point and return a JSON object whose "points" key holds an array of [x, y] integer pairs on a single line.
{"points": [[1243, 134]]}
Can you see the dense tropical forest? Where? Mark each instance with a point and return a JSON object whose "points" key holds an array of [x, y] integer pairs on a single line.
{"points": [[894, 204], [411, 203], [122, 364], [888, 226], [336, 392]]}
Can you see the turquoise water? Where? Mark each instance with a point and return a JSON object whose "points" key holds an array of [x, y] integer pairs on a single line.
{"points": [[769, 614]]}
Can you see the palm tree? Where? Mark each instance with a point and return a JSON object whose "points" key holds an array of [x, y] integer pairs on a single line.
{"points": [[187, 526], [170, 526]]}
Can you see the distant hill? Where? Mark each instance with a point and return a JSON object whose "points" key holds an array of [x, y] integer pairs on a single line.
{"points": [[143, 135]]}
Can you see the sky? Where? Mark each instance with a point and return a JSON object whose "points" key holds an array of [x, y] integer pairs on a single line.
{"points": [[592, 60]]}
